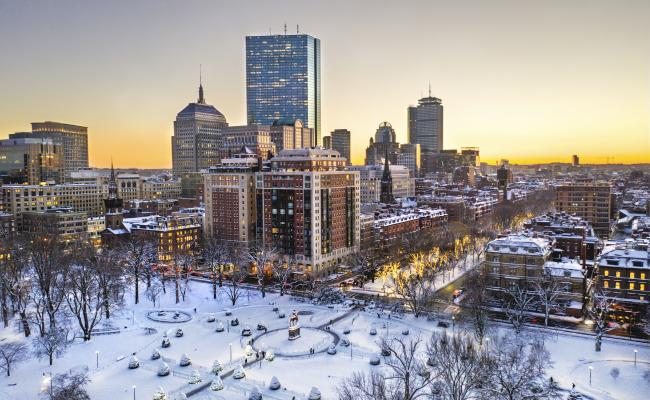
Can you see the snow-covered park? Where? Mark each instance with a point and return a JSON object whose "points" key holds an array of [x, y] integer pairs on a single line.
{"points": [[141, 329]]}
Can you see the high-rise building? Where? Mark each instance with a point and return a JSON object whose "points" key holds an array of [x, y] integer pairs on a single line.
{"points": [[32, 160], [425, 124], [73, 138], [283, 80], [575, 160], [230, 206], [290, 133], [384, 145], [341, 143], [588, 200], [327, 142], [410, 156], [308, 207], [195, 144]]}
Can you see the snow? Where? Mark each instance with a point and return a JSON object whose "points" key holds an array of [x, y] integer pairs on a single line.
{"points": [[572, 354]]}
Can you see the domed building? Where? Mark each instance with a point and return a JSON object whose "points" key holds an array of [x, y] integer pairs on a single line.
{"points": [[197, 130], [384, 145], [385, 133]]}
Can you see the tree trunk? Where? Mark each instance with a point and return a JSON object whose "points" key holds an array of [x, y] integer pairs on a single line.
{"points": [[26, 329], [177, 293], [214, 289], [137, 284], [51, 359], [107, 310]]}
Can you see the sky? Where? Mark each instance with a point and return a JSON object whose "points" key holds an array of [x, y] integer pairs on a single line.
{"points": [[526, 81]]}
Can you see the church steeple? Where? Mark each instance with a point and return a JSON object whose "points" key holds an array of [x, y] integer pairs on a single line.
{"points": [[113, 204], [386, 195]]}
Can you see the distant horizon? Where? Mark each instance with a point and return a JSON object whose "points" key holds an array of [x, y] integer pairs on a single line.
{"points": [[509, 85]]}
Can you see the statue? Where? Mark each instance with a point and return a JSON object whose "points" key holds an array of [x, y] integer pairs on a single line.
{"points": [[294, 327]]}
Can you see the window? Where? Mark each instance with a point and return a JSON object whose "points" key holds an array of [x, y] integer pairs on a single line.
{"points": [[606, 272], [631, 275], [642, 286], [618, 274], [642, 275], [617, 285], [631, 285]]}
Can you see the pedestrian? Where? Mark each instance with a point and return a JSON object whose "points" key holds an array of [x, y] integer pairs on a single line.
{"points": [[194, 310], [245, 361], [573, 386], [257, 356]]}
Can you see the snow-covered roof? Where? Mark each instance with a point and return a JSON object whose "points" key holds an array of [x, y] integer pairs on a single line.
{"points": [[520, 244], [564, 268]]}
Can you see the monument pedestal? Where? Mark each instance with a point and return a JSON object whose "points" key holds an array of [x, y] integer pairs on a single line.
{"points": [[294, 332]]}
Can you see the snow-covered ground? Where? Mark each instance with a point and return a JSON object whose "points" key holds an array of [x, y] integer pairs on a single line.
{"points": [[572, 354]]}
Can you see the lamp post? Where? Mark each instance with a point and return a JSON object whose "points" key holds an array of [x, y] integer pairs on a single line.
{"points": [[231, 352], [590, 369], [97, 357], [635, 351], [487, 344], [133, 392]]}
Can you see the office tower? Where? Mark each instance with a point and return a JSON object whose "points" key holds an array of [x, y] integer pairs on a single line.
{"points": [[254, 137], [230, 207], [195, 143], [283, 80], [63, 222], [73, 138], [575, 160], [308, 208], [384, 145], [588, 200], [341, 143], [386, 195], [32, 160], [290, 133], [327, 142], [425, 124], [504, 177], [410, 156]]}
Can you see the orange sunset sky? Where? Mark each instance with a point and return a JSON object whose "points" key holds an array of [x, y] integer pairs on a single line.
{"points": [[527, 81]]}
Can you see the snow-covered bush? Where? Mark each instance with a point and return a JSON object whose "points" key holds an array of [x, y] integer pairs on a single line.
{"points": [[195, 377], [373, 331], [217, 384], [255, 394], [185, 360], [270, 355], [134, 362], [216, 367], [163, 369], [220, 327], [211, 318], [155, 354], [179, 332], [314, 394], [160, 394], [165, 342], [275, 383], [375, 360], [331, 350], [239, 372], [248, 350], [405, 331]]}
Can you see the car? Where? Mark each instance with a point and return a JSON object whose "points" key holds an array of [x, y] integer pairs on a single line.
{"points": [[457, 293], [179, 332], [246, 331], [345, 342], [443, 324]]}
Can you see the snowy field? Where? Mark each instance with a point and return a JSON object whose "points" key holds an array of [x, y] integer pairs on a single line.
{"points": [[298, 371]]}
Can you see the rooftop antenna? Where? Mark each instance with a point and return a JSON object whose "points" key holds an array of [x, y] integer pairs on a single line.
{"points": [[429, 88], [297, 29], [285, 28]]}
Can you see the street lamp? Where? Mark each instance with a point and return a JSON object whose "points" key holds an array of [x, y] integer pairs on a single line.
{"points": [[97, 356], [590, 369], [231, 352], [635, 351], [487, 344], [133, 392]]}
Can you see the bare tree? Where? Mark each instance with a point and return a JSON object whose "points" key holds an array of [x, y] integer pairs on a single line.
{"points": [[84, 297], [403, 378], [599, 311], [138, 254], [53, 344], [184, 262], [415, 287], [283, 272], [215, 256], [69, 386], [263, 258], [154, 290], [16, 287], [49, 264], [518, 370], [109, 278], [517, 305], [10, 354], [548, 290], [478, 315], [458, 368], [234, 290]]}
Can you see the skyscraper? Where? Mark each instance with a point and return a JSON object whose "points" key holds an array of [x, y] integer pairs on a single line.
{"points": [[341, 143], [73, 138], [196, 140], [283, 80], [425, 124], [28, 159]]}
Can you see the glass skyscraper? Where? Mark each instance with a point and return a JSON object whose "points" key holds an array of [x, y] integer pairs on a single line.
{"points": [[283, 80]]}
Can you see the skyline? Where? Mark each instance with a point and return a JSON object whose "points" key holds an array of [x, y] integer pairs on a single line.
{"points": [[549, 74]]}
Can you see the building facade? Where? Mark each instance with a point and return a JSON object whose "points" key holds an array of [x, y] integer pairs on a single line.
{"points": [[254, 137], [370, 180], [31, 160], [283, 79], [340, 141], [64, 222], [308, 207], [590, 201], [195, 143], [72, 138], [290, 133], [425, 124]]}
